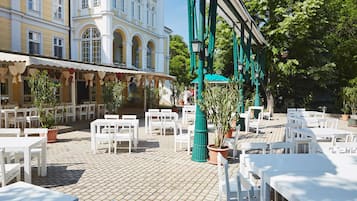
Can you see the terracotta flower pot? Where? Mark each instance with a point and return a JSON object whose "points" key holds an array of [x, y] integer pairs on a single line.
{"points": [[229, 134], [345, 117], [213, 152], [52, 135]]}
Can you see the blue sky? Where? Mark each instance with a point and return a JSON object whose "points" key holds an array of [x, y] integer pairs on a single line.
{"points": [[176, 17]]}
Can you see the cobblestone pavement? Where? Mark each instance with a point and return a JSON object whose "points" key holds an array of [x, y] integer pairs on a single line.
{"points": [[153, 172]]}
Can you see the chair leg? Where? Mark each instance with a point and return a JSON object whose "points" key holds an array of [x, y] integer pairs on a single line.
{"points": [[39, 165]]}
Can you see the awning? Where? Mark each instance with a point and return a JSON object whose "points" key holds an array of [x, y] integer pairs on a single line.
{"points": [[213, 78], [38, 61]]}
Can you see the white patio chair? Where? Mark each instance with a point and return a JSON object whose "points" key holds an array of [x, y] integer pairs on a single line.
{"points": [[169, 120], [155, 121], [70, 113], [184, 137], [165, 110], [82, 111], [232, 188], [256, 124], [18, 119], [328, 123], [59, 114], [103, 134], [128, 116], [100, 110], [233, 142], [91, 111], [32, 117], [261, 147], [302, 141], [11, 132], [281, 147], [8, 171], [153, 110], [36, 152], [111, 116], [123, 134]]}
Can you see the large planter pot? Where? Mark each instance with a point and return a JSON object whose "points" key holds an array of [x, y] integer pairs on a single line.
{"points": [[52, 135], [344, 117], [213, 152], [352, 122]]}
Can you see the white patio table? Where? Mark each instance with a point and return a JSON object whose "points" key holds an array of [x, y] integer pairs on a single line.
{"points": [[120, 122], [300, 177], [325, 132], [25, 145]]}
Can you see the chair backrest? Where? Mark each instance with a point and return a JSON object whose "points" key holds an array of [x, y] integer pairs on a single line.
{"points": [[10, 132], [111, 116], [281, 147], [328, 123], [248, 146], [128, 116], [223, 177], [166, 110], [32, 112], [153, 110], [31, 131]]}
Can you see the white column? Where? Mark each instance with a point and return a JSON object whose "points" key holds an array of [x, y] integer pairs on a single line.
{"points": [[128, 52], [159, 54], [73, 90], [144, 60], [107, 35]]}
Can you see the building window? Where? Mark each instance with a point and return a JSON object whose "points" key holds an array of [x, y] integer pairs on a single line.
{"points": [[139, 9], [132, 9], [34, 41], [153, 16], [114, 3], [58, 47], [122, 5], [148, 56], [84, 4], [58, 9], [34, 5], [147, 13], [135, 53], [91, 46], [96, 3]]}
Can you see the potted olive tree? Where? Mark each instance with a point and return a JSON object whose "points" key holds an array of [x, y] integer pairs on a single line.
{"points": [[113, 96], [220, 104], [43, 90]]}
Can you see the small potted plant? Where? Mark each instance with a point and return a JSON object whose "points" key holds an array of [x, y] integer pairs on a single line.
{"points": [[43, 90], [220, 104], [345, 109]]}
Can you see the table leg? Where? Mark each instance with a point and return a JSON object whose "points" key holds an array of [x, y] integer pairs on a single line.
{"points": [[44, 158], [146, 123], [27, 165], [92, 136], [136, 137]]}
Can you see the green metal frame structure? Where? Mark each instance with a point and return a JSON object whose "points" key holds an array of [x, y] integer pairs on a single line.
{"points": [[234, 12]]}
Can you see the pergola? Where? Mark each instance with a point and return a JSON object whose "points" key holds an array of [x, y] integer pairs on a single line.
{"points": [[245, 60]]}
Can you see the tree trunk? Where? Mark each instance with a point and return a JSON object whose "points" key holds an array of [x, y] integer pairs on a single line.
{"points": [[269, 95]]}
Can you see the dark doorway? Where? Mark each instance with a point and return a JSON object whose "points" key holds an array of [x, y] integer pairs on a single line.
{"points": [[82, 92]]}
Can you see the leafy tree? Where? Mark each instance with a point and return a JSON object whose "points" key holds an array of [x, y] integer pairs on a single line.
{"points": [[179, 60], [113, 95], [311, 50]]}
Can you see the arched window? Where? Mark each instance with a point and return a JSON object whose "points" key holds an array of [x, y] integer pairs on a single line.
{"points": [[150, 55], [91, 45], [118, 48], [135, 52]]}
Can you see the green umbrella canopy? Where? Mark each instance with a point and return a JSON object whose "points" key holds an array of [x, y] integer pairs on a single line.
{"points": [[212, 78]]}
